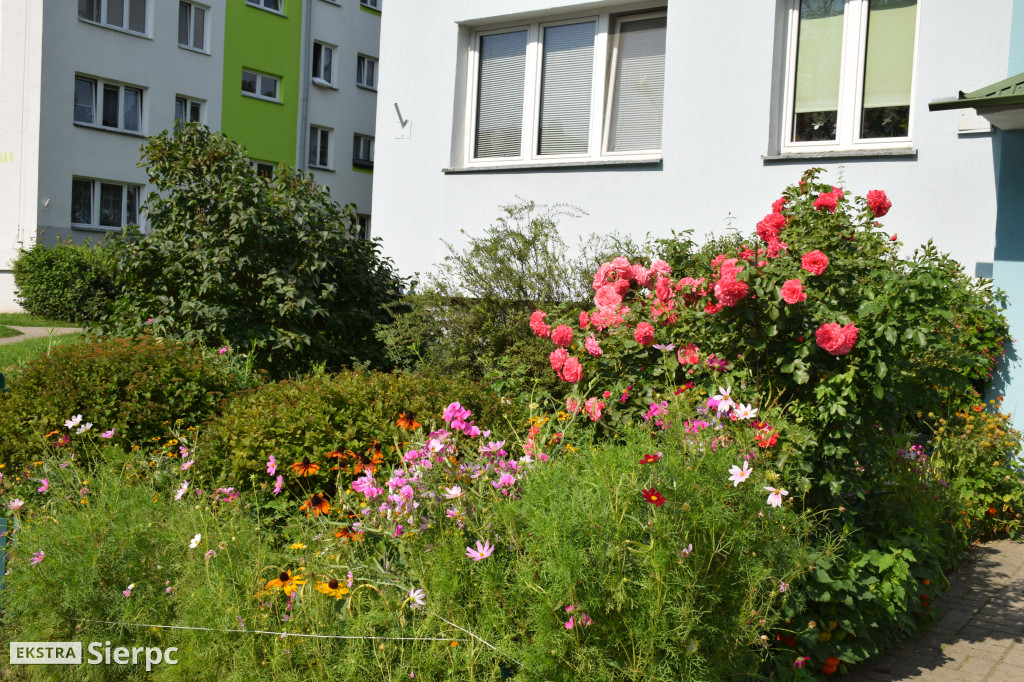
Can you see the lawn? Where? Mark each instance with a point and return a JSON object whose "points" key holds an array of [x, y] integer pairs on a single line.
{"points": [[28, 320], [7, 332], [15, 354]]}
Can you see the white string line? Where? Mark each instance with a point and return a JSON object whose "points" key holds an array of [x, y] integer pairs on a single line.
{"points": [[288, 634], [474, 636]]}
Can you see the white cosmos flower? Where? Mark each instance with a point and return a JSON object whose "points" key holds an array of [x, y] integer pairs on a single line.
{"points": [[775, 498], [74, 421], [738, 475], [745, 411], [195, 541]]}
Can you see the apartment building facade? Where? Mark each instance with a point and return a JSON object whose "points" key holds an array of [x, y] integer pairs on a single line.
{"points": [[83, 83]]}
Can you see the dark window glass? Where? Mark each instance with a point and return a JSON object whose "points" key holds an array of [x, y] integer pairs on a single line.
{"points": [[115, 13], [132, 205], [199, 28], [249, 82], [195, 112], [137, 15], [84, 100], [184, 11], [81, 202], [90, 9], [111, 95], [268, 87], [110, 205], [133, 110]]}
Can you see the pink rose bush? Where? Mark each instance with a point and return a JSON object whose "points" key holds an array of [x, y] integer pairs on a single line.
{"points": [[792, 291]]}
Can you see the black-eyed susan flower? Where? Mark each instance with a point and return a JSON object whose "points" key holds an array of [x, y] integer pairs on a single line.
{"points": [[286, 582], [407, 421], [332, 588], [371, 459], [316, 505], [305, 467]]}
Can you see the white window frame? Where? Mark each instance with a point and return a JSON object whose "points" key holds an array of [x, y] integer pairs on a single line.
{"points": [[372, 4], [192, 7], [99, 86], [318, 78], [126, 5], [361, 61], [315, 134], [262, 4], [258, 165], [259, 86], [95, 197], [601, 89], [189, 102], [359, 161], [851, 85]]}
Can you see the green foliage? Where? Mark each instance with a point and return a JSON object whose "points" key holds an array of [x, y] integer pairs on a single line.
{"points": [[271, 265], [65, 281], [322, 416], [468, 318], [135, 386], [16, 354]]}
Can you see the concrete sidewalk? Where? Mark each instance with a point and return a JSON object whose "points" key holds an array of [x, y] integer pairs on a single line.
{"points": [[980, 634], [36, 333]]}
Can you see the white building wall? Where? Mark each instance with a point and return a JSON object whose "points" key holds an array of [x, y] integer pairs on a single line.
{"points": [[153, 62], [345, 108], [717, 126], [21, 35]]}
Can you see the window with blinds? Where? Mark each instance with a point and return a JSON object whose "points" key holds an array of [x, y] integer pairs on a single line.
{"points": [[850, 73], [583, 88]]}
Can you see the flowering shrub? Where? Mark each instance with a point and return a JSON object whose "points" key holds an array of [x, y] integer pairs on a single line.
{"points": [[823, 310]]}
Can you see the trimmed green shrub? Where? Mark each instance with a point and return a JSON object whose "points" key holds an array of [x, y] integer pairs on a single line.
{"points": [[73, 282], [134, 386], [272, 266]]}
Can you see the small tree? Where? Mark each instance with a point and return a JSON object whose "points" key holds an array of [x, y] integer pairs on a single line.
{"points": [[232, 258]]}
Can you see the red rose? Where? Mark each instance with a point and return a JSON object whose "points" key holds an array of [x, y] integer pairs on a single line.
{"points": [[779, 203], [814, 262], [792, 292], [664, 289], [892, 238], [730, 292], [538, 326], [584, 320], [572, 371], [836, 340], [827, 201], [562, 336], [558, 358], [644, 334], [849, 339], [769, 228], [607, 297], [878, 203]]}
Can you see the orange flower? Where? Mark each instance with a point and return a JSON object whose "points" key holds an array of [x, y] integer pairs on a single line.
{"points": [[831, 664], [346, 533], [371, 459], [317, 504], [407, 421], [338, 453], [992, 511], [305, 467]]}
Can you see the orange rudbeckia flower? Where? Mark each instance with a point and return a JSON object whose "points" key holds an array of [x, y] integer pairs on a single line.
{"points": [[286, 582], [316, 505], [407, 421], [305, 467]]}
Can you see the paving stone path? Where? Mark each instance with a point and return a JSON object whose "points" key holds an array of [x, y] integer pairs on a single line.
{"points": [[36, 333], [980, 634]]}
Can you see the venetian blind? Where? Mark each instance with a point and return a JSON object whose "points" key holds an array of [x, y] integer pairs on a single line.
{"points": [[890, 53], [819, 56], [639, 88], [499, 120], [567, 77]]}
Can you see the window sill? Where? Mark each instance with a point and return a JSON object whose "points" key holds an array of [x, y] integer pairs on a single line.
{"points": [[116, 131], [366, 87], [262, 99], [904, 152], [321, 83], [556, 165], [115, 28], [370, 10], [322, 169], [193, 49], [267, 10], [95, 228]]}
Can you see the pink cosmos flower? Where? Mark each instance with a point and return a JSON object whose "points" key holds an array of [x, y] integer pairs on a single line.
{"points": [[569, 625], [687, 551], [775, 496], [223, 350], [185, 466], [107, 434], [128, 592], [592, 346], [792, 291], [537, 324], [644, 334], [878, 202], [181, 491], [15, 504], [481, 552], [349, 584], [562, 336], [45, 486], [572, 371], [451, 493], [271, 466], [783, 586], [738, 475], [38, 557], [570, 608], [593, 408], [585, 620], [814, 262], [210, 554]]}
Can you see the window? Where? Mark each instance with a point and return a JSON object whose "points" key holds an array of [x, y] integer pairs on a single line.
{"points": [[108, 105], [97, 203], [849, 74], [323, 64], [272, 5], [372, 4], [127, 15], [319, 147], [363, 226], [366, 72], [362, 151], [186, 109], [590, 88], [264, 169], [191, 26], [259, 85]]}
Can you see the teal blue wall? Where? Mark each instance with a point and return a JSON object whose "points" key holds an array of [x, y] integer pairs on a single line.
{"points": [[1008, 260]]}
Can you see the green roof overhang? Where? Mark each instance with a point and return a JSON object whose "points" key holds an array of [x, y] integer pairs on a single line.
{"points": [[1001, 103]]}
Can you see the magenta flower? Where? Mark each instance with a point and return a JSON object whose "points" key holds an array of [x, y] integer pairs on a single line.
{"points": [[279, 485], [271, 466], [570, 623], [585, 620], [783, 586], [128, 592], [185, 466], [211, 554], [181, 491], [107, 434], [45, 486], [38, 557], [15, 504], [570, 608], [223, 350], [349, 584], [481, 552]]}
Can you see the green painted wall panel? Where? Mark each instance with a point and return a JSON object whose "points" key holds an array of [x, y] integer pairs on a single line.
{"points": [[269, 43]]}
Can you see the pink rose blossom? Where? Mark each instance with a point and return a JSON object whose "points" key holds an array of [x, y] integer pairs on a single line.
{"points": [[792, 291], [594, 408], [690, 355], [769, 227], [730, 292], [644, 334], [572, 371], [572, 406], [878, 202], [537, 324], [814, 262], [607, 297], [827, 201], [558, 358], [562, 336], [835, 339], [592, 346], [584, 320]]}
